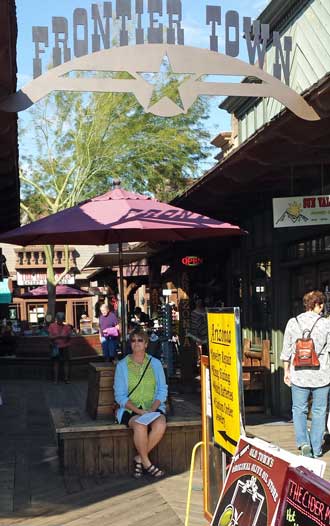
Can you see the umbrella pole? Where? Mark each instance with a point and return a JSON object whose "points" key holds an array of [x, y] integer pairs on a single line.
{"points": [[121, 292]]}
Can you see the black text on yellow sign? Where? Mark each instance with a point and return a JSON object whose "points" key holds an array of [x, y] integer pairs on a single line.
{"points": [[225, 387]]}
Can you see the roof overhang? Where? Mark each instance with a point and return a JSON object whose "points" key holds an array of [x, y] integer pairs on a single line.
{"points": [[285, 146]]}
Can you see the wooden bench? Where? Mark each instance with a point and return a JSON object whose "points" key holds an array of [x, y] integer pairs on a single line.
{"points": [[90, 448], [256, 376]]}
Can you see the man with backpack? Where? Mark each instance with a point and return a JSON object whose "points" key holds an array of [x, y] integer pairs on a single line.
{"points": [[305, 355]]}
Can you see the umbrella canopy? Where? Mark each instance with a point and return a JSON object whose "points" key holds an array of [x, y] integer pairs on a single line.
{"points": [[119, 216], [61, 290]]}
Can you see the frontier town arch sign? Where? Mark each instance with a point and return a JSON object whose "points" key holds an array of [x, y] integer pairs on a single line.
{"points": [[193, 64]]}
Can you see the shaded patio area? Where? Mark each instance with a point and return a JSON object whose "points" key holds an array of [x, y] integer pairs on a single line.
{"points": [[34, 490]]}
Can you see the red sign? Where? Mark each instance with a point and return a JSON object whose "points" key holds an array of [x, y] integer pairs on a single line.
{"points": [[192, 261], [252, 489], [305, 500]]}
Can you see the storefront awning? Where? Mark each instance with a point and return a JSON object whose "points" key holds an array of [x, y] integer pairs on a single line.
{"points": [[111, 259], [61, 290], [5, 294]]}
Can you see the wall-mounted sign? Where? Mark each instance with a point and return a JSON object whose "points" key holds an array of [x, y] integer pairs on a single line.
{"points": [[192, 261], [226, 376], [305, 500], [40, 278], [301, 211]]}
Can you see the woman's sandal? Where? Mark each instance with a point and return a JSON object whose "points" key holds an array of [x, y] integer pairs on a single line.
{"points": [[154, 471], [138, 470]]}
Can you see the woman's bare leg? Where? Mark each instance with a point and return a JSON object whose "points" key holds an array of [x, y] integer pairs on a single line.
{"points": [[144, 442], [158, 427], [140, 439]]}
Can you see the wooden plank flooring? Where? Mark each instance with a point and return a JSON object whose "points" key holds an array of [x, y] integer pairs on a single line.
{"points": [[33, 491], [282, 434]]}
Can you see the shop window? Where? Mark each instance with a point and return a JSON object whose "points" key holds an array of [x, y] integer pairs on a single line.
{"points": [[310, 247], [36, 313], [261, 299], [314, 246], [326, 243], [80, 308], [14, 311]]}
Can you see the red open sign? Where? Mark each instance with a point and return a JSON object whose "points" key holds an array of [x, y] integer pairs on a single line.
{"points": [[192, 261]]}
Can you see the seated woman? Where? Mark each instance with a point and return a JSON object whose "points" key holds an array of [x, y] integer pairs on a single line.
{"points": [[140, 387]]}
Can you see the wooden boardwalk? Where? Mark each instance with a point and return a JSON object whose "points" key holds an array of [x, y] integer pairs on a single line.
{"points": [[34, 492], [282, 434]]}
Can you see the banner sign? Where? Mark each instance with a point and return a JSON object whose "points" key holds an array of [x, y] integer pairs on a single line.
{"points": [[25, 279], [254, 484], [305, 500], [226, 377], [301, 211]]}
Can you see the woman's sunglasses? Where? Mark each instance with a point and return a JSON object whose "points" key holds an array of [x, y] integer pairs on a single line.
{"points": [[140, 340]]}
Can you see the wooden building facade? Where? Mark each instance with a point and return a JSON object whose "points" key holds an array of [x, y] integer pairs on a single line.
{"points": [[271, 153]]}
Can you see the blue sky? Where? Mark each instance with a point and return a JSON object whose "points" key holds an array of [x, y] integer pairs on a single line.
{"points": [[35, 13]]}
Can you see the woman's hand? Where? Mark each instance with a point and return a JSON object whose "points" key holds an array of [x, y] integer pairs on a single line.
{"points": [[287, 378]]}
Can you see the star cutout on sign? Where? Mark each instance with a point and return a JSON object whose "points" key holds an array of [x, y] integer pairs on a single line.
{"points": [[166, 84]]}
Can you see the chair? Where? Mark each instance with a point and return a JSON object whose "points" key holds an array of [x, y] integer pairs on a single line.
{"points": [[256, 376]]}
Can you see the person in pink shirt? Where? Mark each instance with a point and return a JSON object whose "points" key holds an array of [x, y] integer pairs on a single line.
{"points": [[60, 335], [109, 332]]}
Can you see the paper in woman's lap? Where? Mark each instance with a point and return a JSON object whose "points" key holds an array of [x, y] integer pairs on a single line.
{"points": [[147, 418]]}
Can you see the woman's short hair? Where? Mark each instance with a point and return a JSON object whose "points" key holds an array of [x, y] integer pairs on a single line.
{"points": [[138, 331], [315, 297]]}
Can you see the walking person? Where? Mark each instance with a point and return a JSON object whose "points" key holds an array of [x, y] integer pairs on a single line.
{"points": [[140, 387], [60, 336], [109, 332], [307, 381]]}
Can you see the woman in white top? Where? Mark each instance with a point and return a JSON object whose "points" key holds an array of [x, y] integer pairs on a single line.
{"points": [[308, 382]]}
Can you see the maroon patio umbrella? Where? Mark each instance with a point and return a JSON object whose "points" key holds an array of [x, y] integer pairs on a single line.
{"points": [[61, 290], [116, 217], [119, 216]]}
